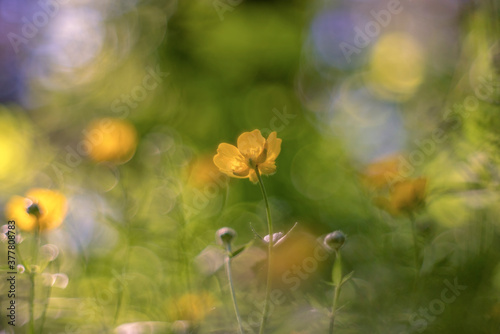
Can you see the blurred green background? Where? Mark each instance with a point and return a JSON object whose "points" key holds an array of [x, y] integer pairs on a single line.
{"points": [[346, 84]]}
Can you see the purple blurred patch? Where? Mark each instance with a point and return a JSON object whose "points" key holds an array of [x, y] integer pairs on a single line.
{"points": [[333, 34]]}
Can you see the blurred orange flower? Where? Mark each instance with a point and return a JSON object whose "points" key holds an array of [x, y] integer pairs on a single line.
{"points": [[111, 139], [48, 205], [191, 307], [253, 152], [381, 173], [404, 197]]}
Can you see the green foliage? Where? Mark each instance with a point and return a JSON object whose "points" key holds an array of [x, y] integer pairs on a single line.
{"points": [[137, 244]]}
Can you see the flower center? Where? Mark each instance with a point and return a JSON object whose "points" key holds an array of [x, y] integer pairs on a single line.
{"points": [[255, 160], [239, 168], [33, 209]]}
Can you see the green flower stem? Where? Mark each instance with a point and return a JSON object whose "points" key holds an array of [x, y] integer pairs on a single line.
{"points": [[32, 275], [128, 229], [84, 258], [269, 253], [32, 303], [47, 301], [38, 241], [415, 246], [231, 286], [337, 279], [45, 308], [119, 300]]}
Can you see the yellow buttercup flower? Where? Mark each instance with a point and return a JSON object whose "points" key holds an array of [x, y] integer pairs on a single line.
{"points": [[405, 197], [253, 152], [46, 206], [111, 139]]}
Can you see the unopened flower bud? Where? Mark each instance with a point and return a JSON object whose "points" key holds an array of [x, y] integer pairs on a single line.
{"points": [[225, 235], [334, 240]]}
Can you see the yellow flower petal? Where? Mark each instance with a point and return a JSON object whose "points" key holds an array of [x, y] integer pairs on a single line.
{"points": [[52, 206], [273, 146], [230, 161], [251, 145], [253, 176], [16, 210], [267, 168], [405, 196], [253, 152]]}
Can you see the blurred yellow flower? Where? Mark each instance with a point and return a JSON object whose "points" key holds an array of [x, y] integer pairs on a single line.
{"points": [[16, 144], [381, 173], [111, 139], [191, 307], [203, 172], [405, 197], [397, 66], [253, 152], [48, 205]]}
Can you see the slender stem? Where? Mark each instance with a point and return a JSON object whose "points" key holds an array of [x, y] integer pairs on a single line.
{"points": [[182, 256], [231, 286], [38, 241], [85, 258], [415, 245], [128, 229], [415, 253], [32, 277], [45, 307], [336, 295], [269, 253], [120, 292], [46, 304], [32, 303]]}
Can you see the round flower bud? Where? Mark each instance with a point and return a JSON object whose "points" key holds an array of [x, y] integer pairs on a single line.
{"points": [[334, 240], [225, 235]]}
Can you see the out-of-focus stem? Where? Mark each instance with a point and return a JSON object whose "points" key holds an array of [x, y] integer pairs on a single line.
{"points": [[269, 253], [231, 286], [415, 248], [32, 275], [336, 295]]}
